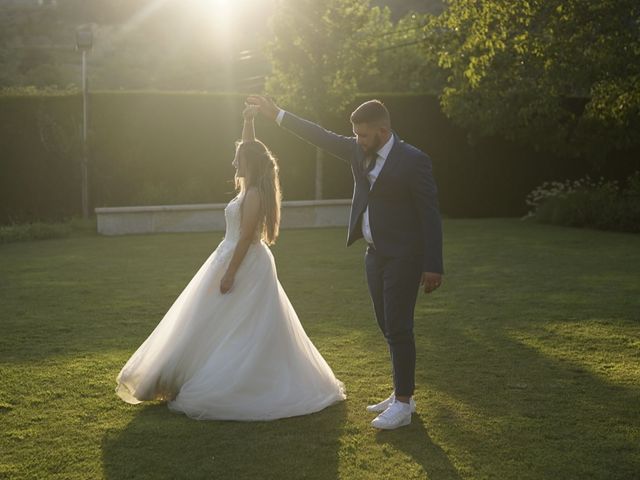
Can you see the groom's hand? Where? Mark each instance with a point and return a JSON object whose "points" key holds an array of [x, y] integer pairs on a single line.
{"points": [[430, 281], [266, 106]]}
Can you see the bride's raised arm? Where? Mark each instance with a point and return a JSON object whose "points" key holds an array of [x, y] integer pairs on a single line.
{"points": [[248, 130]]}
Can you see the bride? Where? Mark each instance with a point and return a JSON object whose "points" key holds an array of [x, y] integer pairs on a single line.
{"points": [[231, 346]]}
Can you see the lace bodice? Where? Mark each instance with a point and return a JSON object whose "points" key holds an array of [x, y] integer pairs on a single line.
{"points": [[232, 218]]}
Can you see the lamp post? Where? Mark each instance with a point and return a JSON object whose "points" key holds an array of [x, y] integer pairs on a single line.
{"points": [[84, 42]]}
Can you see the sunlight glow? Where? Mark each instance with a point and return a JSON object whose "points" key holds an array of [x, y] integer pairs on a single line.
{"points": [[221, 14], [217, 37], [142, 15]]}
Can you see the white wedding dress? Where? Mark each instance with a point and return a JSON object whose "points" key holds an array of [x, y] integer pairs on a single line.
{"points": [[239, 356]]}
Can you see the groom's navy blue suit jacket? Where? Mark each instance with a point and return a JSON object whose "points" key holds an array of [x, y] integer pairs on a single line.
{"points": [[403, 204]]}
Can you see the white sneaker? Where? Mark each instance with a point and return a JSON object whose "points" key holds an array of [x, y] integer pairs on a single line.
{"points": [[386, 403], [397, 415]]}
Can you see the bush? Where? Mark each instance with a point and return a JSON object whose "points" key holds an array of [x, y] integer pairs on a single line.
{"points": [[588, 203], [42, 231]]}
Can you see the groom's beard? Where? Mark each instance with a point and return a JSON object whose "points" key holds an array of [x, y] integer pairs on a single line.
{"points": [[375, 146]]}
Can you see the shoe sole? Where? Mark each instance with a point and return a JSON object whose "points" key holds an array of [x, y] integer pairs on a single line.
{"points": [[404, 423], [374, 409]]}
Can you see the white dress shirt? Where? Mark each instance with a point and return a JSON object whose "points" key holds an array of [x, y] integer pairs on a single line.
{"points": [[383, 153]]}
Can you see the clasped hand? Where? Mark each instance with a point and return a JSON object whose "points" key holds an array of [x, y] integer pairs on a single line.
{"points": [[250, 111]]}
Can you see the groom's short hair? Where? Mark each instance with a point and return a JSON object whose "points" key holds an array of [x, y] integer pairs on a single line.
{"points": [[372, 112]]}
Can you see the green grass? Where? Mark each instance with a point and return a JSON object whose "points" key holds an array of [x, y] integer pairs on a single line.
{"points": [[528, 361]]}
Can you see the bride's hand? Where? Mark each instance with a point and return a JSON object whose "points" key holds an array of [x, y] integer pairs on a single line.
{"points": [[250, 112], [226, 283]]}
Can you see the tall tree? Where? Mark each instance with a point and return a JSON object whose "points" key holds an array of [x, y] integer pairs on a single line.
{"points": [[319, 52], [401, 63], [559, 74]]}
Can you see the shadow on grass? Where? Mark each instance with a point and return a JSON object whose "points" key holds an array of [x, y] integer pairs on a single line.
{"points": [[521, 413], [415, 442], [160, 444]]}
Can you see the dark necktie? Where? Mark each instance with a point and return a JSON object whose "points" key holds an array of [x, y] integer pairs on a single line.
{"points": [[371, 163]]}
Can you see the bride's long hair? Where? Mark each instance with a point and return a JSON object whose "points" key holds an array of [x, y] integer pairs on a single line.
{"points": [[261, 172]]}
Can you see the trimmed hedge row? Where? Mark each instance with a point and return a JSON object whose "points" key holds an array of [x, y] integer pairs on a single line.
{"points": [[168, 148], [606, 205]]}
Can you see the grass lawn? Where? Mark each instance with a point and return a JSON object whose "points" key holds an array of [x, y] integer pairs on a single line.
{"points": [[528, 361]]}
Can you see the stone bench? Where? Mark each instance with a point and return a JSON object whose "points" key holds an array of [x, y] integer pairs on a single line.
{"points": [[210, 217]]}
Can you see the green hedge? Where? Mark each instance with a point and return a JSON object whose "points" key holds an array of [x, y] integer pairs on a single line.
{"points": [[588, 203], [39, 153], [167, 148]]}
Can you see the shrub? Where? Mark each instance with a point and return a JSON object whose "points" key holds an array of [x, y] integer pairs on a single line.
{"points": [[601, 204], [42, 230]]}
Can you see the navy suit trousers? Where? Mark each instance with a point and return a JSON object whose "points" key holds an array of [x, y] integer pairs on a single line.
{"points": [[393, 284]]}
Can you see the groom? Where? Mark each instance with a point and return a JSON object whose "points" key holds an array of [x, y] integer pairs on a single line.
{"points": [[395, 210]]}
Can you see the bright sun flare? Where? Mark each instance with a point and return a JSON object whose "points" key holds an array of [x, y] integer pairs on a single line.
{"points": [[221, 13]]}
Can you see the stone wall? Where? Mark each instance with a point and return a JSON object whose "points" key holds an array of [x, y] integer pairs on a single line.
{"points": [[210, 217]]}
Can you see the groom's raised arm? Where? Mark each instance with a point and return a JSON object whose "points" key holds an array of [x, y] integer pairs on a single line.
{"points": [[337, 145]]}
